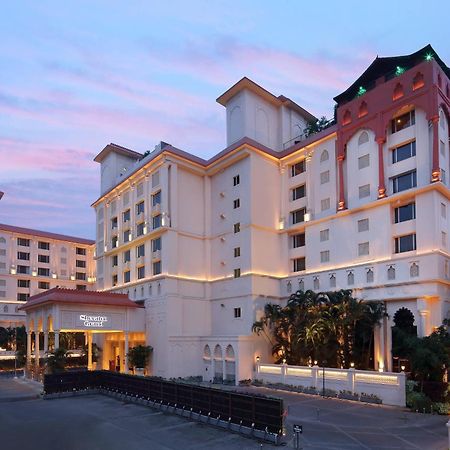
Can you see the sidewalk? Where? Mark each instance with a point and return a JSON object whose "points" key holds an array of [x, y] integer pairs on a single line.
{"points": [[19, 389]]}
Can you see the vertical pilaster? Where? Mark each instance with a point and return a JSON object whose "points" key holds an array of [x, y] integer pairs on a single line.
{"points": [[89, 346], [126, 351], [36, 348], [341, 204], [56, 345], [381, 183], [29, 338], [436, 171], [45, 341]]}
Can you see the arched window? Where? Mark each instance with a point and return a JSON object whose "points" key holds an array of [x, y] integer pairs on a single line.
{"points": [[439, 80], [332, 280], [363, 138], [301, 285], [2, 240], [418, 81], [206, 352], [324, 156], [149, 289], [363, 110], [229, 353], [350, 278], [316, 283], [442, 119], [347, 117], [391, 273], [369, 276], [404, 318], [159, 288], [5, 308], [414, 270], [218, 352], [398, 92], [289, 287]]}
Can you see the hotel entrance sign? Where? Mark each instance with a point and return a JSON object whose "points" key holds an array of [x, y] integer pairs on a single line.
{"points": [[90, 321]]}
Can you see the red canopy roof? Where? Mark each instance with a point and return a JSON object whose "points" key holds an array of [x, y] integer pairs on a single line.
{"points": [[76, 297]]}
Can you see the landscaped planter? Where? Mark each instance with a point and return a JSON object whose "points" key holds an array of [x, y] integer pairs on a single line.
{"points": [[370, 399], [347, 395]]}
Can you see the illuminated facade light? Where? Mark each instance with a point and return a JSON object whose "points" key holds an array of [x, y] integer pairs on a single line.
{"points": [[361, 91], [428, 56], [399, 70]]}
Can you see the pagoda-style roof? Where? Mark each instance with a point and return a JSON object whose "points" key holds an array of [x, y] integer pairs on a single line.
{"points": [[387, 67]]}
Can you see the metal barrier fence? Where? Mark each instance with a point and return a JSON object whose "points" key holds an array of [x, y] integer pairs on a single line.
{"points": [[251, 411]]}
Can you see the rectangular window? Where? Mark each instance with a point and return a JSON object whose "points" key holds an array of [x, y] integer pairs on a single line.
{"points": [[237, 252], [81, 287], [140, 229], [324, 235], [237, 313], [140, 189], [236, 180], [237, 273], [140, 251], [114, 280], [444, 238], [363, 249], [404, 152], [156, 222], [155, 179], [299, 264], [157, 268], [43, 245], [43, 285], [140, 208], [80, 276], [364, 191], [156, 198], [127, 256], [141, 272], [43, 272], [403, 121], [127, 236], [363, 161], [236, 203], [325, 256], [80, 263], [115, 260], [114, 223], [156, 244], [23, 283], [298, 168], [23, 242], [81, 251], [299, 192], [325, 204], [45, 259], [443, 176], [23, 269], [298, 216], [442, 148], [126, 276], [21, 297], [443, 210], [114, 242], [405, 212], [23, 256], [405, 243], [325, 177], [237, 227], [363, 225], [126, 215], [298, 240], [404, 182]]}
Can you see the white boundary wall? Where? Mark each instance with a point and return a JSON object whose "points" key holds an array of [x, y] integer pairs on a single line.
{"points": [[390, 387]]}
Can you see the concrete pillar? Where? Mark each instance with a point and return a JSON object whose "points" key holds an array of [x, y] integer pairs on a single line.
{"points": [[45, 341], [224, 369], [388, 347], [378, 341], [56, 344], [423, 323], [36, 349], [351, 379], [29, 338], [89, 346], [126, 351]]}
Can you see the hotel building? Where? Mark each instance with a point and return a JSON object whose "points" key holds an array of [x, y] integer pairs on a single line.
{"points": [[33, 261], [361, 205]]}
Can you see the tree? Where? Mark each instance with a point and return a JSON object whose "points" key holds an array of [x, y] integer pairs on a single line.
{"points": [[331, 326], [139, 356], [56, 361], [315, 127]]}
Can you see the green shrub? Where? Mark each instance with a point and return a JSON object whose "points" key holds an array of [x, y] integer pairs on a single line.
{"points": [[418, 401], [441, 408]]}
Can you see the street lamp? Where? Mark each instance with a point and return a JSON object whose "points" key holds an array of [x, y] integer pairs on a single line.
{"points": [[403, 368], [352, 365]]}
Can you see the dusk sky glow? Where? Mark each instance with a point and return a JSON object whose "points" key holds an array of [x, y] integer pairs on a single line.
{"points": [[76, 76]]}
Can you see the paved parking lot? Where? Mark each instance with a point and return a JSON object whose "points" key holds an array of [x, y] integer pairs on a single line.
{"points": [[100, 422]]}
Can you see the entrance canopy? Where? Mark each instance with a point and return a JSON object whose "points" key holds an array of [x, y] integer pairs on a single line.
{"points": [[71, 310]]}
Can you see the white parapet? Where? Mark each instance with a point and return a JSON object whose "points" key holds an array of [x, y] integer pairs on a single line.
{"points": [[388, 386]]}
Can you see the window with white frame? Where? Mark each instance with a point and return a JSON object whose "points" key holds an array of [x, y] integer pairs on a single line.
{"points": [[406, 243], [298, 168], [404, 121], [298, 192], [324, 235], [298, 216], [325, 256], [363, 249], [405, 212], [403, 152], [237, 313], [405, 181], [325, 204], [299, 264], [325, 177], [363, 161], [364, 191], [363, 225], [298, 240]]}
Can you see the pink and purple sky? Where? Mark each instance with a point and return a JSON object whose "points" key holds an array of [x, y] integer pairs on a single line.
{"points": [[77, 75]]}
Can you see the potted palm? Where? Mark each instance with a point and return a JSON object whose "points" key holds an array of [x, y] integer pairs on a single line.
{"points": [[138, 358]]}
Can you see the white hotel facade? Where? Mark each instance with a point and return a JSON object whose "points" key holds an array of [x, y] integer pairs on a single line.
{"points": [[362, 205]]}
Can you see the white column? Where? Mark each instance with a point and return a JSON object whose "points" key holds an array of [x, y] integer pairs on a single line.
{"points": [[89, 346], [29, 337], [36, 349], [126, 351], [224, 369], [423, 323], [378, 340], [56, 344], [45, 341], [388, 347]]}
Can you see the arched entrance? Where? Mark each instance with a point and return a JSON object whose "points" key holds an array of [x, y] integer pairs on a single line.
{"points": [[218, 364], [404, 328], [207, 363], [230, 365]]}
